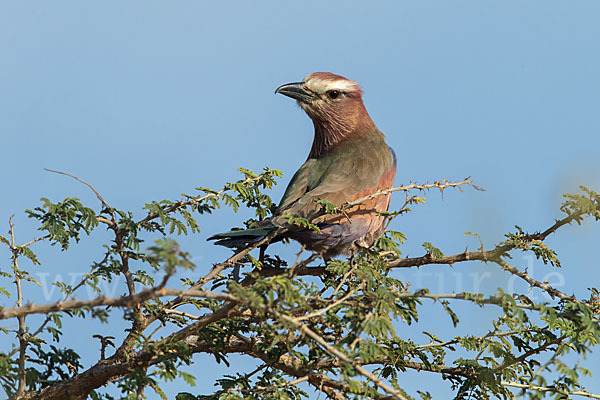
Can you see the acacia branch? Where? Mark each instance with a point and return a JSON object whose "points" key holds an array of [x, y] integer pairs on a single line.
{"points": [[34, 241], [295, 367], [180, 204], [214, 272], [22, 327], [494, 255], [337, 353], [102, 301], [104, 202], [122, 363], [551, 389], [113, 367], [119, 241], [228, 308], [191, 201], [65, 298], [441, 185], [544, 286], [330, 306], [531, 352]]}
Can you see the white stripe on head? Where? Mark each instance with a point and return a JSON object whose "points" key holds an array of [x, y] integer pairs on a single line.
{"points": [[329, 82]]}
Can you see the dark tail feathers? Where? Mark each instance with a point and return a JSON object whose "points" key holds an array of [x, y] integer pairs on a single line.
{"points": [[242, 237]]}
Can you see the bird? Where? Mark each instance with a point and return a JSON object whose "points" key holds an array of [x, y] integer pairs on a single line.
{"points": [[349, 160]]}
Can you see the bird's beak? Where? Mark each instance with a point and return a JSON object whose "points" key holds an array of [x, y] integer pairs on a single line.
{"points": [[296, 91]]}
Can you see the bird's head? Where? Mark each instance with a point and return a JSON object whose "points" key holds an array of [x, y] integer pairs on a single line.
{"points": [[335, 105], [323, 94]]}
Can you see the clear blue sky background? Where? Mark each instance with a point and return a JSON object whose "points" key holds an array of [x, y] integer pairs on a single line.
{"points": [[149, 99]]}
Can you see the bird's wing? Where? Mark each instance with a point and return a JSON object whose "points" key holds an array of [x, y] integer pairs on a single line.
{"points": [[297, 187], [351, 172]]}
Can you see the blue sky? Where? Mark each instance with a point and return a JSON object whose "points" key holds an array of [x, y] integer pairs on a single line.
{"points": [[150, 99]]}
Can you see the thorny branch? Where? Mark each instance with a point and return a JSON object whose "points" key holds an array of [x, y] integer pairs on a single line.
{"points": [[67, 295], [115, 366], [337, 353], [550, 389], [21, 318], [494, 255], [101, 301], [441, 185]]}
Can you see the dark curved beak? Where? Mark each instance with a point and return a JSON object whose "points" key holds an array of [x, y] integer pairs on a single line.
{"points": [[295, 90]]}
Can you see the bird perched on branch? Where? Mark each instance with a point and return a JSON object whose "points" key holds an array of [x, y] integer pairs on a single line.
{"points": [[348, 160]]}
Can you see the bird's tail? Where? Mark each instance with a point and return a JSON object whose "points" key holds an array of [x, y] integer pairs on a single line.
{"points": [[242, 237]]}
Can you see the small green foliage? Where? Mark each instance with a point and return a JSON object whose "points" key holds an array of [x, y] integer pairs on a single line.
{"points": [[432, 251], [248, 191], [301, 222], [581, 204], [169, 217], [27, 252], [521, 240], [60, 364], [328, 207], [65, 220], [451, 313], [424, 395], [168, 253], [4, 240], [390, 241]]}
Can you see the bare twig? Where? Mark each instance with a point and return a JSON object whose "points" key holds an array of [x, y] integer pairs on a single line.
{"points": [[529, 353], [441, 185], [550, 389], [544, 286], [104, 203], [330, 306], [272, 387], [541, 369], [34, 241], [180, 313], [123, 301], [21, 318]]}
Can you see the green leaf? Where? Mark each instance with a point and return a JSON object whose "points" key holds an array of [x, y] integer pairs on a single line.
{"points": [[433, 251]]}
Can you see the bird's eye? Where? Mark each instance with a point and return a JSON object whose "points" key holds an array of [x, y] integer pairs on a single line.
{"points": [[334, 94]]}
